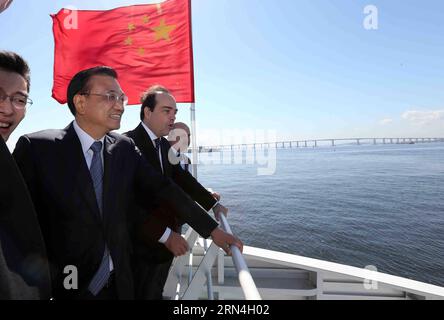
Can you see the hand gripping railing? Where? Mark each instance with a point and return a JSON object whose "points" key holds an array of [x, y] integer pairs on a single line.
{"points": [[174, 286], [246, 281]]}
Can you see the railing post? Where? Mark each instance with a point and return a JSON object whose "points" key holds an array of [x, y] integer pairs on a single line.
{"points": [[195, 287], [319, 285], [208, 274], [172, 287], [221, 267]]}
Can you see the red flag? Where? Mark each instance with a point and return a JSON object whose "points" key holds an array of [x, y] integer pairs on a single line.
{"points": [[145, 44]]}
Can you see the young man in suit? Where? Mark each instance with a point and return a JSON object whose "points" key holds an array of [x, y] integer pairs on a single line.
{"points": [[83, 180], [151, 265], [24, 272], [179, 138]]}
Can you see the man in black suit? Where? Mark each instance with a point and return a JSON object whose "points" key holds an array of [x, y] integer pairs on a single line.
{"points": [[152, 263], [179, 138], [83, 179], [24, 272]]}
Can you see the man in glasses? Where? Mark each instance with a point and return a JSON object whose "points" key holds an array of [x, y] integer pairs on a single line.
{"points": [[24, 272], [83, 180]]}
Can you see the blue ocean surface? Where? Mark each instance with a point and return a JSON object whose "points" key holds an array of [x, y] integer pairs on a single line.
{"points": [[379, 205]]}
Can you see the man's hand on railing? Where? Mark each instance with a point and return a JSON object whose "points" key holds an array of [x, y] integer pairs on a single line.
{"points": [[215, 194], [218, 210], [176, 244], [224, 240]]}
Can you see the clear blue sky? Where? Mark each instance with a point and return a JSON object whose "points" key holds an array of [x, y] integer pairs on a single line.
{"points": [[304, 68]]}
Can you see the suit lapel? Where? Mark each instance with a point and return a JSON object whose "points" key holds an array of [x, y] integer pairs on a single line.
{"points": [[74, 161], [145, 145], [109, 193], [165, 147]]}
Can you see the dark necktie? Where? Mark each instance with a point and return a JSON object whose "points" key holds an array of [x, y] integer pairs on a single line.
{"points": [[102, 275], [157, 143], [96, 170]]}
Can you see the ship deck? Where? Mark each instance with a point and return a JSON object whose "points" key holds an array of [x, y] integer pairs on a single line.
{"points": [[282, 276]]}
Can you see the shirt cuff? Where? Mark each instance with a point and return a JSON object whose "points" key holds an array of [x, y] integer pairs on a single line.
{"points": [[165, 235]]}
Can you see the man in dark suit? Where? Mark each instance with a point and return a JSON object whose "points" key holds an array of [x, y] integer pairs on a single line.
{"points": [[83, 179], [151, 264], [24, 272], [179, 138]]}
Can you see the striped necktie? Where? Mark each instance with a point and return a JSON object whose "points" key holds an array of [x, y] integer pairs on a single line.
{"points": [[102, 275]]}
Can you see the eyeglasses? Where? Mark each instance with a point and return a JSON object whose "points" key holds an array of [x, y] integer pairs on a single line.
{"points": [[19, 101], [111, 97]]}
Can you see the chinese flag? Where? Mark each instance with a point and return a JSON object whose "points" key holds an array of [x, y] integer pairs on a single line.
{"points": [[145, 44]]}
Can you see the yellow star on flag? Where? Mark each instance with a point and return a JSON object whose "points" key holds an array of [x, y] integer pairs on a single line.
{"points": [[163, 31], [128, 41], [145, 19], [131, 26], [141, 51]]}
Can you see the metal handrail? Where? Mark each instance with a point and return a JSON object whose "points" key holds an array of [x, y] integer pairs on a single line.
{"points": [[246, 281], [197, 280], [208, 274]]}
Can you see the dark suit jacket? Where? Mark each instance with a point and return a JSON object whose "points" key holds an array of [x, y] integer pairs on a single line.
{"points": [[163, 215], [54, 167], [24, 271]]}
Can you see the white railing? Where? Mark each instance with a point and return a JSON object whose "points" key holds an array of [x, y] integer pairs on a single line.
{"points": [[176, 290], [246, 281], [210, 292]]}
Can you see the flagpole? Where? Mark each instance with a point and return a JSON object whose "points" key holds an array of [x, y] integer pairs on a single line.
{"points": [[193, 139], [195, 151], [192, 104]]}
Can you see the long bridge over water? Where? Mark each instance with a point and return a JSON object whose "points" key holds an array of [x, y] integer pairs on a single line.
{"points": [[317, 143]]}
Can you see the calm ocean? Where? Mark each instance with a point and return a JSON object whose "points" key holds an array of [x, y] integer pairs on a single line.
{"points": [[380, 205]]}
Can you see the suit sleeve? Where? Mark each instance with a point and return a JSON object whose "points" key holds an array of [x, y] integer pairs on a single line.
{"points": [[148, 226], [23, 158], [24, 226], [150, 182], [192, 187]]}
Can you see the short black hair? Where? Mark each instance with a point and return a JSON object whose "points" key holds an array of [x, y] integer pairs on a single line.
{"points": [[12, 62], [79, 83], [149, 98]]}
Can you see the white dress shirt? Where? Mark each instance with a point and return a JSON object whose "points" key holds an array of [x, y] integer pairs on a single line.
{"points": [[86, 141]]}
